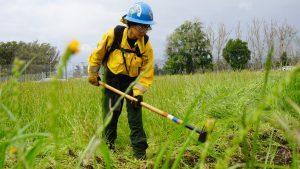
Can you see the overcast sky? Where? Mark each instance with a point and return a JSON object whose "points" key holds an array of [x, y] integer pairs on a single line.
{"points": [[59, 21]]}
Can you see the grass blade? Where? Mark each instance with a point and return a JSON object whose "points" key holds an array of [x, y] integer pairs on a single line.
{"points": [[30, 135], [269, 148], [32, 153], [268, 68], [3, 148], [181, 152], [106, 155], [10, 114]]}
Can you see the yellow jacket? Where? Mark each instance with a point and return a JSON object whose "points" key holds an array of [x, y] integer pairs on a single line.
{"points": [[136, 65]]}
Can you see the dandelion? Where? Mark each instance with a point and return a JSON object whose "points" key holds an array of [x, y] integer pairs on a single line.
{"points": [[74, 46]]}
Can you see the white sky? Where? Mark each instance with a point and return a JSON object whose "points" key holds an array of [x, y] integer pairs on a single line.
{"points": [[59, 21]]}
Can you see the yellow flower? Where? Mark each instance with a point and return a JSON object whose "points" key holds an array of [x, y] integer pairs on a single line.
{"points": [[13, 150], [210, 124], [74, 46]]}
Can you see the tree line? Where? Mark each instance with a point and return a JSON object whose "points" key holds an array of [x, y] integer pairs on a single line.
{"points": [[193, 47], [46, 56], [190, 48]]}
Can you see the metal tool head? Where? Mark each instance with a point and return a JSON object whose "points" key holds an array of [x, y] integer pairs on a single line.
{"points": [[207, 128], [202, 137]]}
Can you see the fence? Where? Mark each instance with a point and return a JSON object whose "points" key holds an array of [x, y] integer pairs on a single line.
{"points": [[41, 72]]}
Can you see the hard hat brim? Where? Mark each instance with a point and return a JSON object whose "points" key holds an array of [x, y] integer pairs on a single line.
{"points": [[139, 21]]}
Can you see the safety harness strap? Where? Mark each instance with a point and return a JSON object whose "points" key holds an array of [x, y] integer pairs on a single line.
{"points": [[118, 35]]}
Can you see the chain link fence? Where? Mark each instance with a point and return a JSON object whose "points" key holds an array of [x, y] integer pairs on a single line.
{"points": [[42, 72]]}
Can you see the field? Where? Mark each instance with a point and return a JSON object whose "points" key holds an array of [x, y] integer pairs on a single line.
{"points": [[59, 124]]}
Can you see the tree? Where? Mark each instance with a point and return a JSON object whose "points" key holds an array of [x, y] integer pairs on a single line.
{"points": [[77, 71], [238, 31], [284, 59], [270, 32], [236, 53], [7, 51], [45, 54], [257, 42], [286, 35], [156, 69], [188, 49], [211, 36], [223, 35], [84, 70]]}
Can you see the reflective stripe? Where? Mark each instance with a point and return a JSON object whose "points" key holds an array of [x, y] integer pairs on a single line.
{"points": [[94, 69], [140, 87], [173, 118]]}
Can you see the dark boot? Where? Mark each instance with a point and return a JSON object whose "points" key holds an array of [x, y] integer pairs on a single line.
{"points": [[111, 147], [140, 155]]}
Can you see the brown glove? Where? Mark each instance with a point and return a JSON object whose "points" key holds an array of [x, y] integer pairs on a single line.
{"points": [[94, 80]]}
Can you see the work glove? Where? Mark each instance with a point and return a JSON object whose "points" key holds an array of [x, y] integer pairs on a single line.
{"points": [[94, 80], [137, 104]]}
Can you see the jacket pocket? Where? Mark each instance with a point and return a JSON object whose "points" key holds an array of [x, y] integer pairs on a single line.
{"points": [[116, 62], [136, 64]]}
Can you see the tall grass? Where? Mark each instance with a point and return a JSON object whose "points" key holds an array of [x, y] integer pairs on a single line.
{"points": [[59, 124]]}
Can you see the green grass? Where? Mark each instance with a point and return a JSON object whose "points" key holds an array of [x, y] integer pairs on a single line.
{"points": [[51, 124]]}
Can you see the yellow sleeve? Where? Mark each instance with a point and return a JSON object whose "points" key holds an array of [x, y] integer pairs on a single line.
{"points": [[95, 59], [146, 71]]}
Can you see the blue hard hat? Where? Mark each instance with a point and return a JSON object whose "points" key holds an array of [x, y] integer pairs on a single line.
{"points": [[141, 13]]}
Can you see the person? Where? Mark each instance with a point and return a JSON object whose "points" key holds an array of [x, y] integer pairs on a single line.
{"points": [[129, 59]]}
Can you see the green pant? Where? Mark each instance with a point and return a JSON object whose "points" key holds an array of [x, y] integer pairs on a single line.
{"points": [[137, 135]]}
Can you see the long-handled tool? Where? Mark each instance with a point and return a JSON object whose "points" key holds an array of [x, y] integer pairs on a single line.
{"points": [[202, 133]]}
